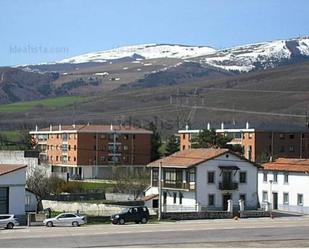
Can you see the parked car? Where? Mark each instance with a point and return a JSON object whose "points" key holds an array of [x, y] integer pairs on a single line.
{"points": [[8, 221], [65, 219], [133, 214]]}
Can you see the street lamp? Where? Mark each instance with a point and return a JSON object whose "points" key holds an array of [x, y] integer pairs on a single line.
{"points": [[270, 196]]}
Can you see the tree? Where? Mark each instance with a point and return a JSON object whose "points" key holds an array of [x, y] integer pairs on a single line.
{"points": [[128, 180], [38, 183], [172, 145], [210, 139], [155, 142]]}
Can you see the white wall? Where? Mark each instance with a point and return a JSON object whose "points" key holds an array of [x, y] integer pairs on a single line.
{"points": [[249, 188], [16, 182], [298, 184]]}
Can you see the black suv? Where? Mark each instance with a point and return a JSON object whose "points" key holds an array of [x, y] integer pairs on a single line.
{"points": [[132, 214]]}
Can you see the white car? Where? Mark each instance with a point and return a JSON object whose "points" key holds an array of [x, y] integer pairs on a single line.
{"points": [[8, 221], [65, 219]]}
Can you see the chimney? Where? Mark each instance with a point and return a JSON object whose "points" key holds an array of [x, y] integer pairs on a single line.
{"points": [[208, 126], [74, 126], [247, 125], [222, 126], [59, 127], [50, 128], [36, 128], [187, 127], [112, 128]]}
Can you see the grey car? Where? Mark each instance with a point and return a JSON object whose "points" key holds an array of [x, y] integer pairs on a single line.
{"points": [[65, 219], [8, 221]]}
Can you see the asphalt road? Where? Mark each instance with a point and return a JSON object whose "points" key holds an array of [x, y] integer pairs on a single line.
{"points": [[262, 232]]}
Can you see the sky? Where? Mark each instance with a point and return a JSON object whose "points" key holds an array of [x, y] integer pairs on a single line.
{"points": [[38, 31]]}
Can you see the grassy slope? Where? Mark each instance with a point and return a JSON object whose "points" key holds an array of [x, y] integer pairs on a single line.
{"points": [[50, 102]]}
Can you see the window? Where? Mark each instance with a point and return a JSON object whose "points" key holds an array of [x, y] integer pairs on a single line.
{"points": [[286, 178], [282, 148], [243, 197], [281, 136], [74, 159], [103, 158], [69, 147], [57, 158], [51, 158], [94, 147], [125, 147], [211, 177], [191, 175], [300, 200], [69, 158], [291, 136], [264, 176], [125, 137], [291, 148], [74, 147], [243, 177], [174, 197], [4, 200], [285, 198], [183, 136], [250, 135], [133, 136], [265, 196], [103, 136], [183, 147], [155, 177], [180, 197], [211, 200], [275, 177]]}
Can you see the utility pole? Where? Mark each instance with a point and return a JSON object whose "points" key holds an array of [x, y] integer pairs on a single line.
{"points": [[160, 191]]}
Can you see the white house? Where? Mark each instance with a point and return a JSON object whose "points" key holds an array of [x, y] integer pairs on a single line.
{"points": [[203, 179], [284, 184], [12, 189]]}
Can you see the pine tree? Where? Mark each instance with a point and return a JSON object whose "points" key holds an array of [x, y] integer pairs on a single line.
{"points": [[172, 145]]}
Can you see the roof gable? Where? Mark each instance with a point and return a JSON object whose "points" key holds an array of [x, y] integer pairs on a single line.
{"points": [[288, 164], [9, 168]]}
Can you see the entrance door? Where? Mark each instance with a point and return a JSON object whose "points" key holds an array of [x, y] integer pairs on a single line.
{"points": [[275, 200], [225, 198]]}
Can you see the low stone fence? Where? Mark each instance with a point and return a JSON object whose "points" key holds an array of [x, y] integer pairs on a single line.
{"points": [[197, 215], [254, 213]]}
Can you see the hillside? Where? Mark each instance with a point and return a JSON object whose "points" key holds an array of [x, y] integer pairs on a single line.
{"points": [[274, 95]]}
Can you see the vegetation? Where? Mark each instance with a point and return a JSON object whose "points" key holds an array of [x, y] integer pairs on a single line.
{"points": [[172, 145], [16, 140], [210, 139], [48, 103], [155, 142]]}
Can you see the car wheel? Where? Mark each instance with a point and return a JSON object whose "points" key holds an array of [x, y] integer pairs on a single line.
{"points": [[49, 224], [75, 224], [144, 220], [121, 221], [10, 225]]}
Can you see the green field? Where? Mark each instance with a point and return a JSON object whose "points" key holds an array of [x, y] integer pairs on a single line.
{"points": [[52, 102], [12, 135]]}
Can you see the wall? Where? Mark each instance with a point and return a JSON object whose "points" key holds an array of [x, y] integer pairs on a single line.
{"points": [[298, 184], [198, 215], [249, 188], [16, 182]]}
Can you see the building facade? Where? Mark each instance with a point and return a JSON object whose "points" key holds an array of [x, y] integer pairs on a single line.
{"points": [[83, 150], [284, 184], [12, 189], [260, 144], [203, 179]]}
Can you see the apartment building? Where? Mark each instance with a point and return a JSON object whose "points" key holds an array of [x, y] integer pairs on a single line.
{"points": [[81, 150], [260, 143]]}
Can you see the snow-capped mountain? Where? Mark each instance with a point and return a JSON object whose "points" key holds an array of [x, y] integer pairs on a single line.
{"points": [[147, 51], [241, 58], [258, 56]]}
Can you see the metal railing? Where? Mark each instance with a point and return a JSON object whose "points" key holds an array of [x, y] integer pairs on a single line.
{"points": [[228, 185]]}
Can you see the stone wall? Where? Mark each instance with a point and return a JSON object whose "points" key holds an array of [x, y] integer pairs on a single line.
{"points": [[197, 215], [254, 213]]}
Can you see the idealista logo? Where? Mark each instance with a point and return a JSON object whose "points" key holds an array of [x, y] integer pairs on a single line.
{"points": [[37, 49]]}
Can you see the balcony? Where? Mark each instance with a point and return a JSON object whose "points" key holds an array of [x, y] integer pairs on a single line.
{"points": [[228, 185], [179, 185]]}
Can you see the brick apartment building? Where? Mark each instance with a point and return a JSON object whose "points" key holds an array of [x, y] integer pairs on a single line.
{"points": [[84, 150], [260, 143]]}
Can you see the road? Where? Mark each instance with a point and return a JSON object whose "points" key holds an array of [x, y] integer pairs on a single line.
{"points": [[261, 232]]}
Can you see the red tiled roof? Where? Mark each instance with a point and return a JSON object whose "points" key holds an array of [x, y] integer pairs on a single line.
{"points": [[288, 164], [188, 158], [8, 168], [95, 128]]}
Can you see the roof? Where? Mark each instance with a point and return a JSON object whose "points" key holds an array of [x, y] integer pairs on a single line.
{"points": [[288, 164], [188, 158], [91, 128], [149, 197], [9, 168]]}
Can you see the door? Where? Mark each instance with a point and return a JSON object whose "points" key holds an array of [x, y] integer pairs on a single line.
{"points": [[227, 178], [225, 198], [275, 200]]}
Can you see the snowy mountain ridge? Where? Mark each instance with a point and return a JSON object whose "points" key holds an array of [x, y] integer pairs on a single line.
{"points": [[243, 58]]}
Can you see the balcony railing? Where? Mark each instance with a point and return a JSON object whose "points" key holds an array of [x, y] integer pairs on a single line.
{"points": [[179, 185], [228, 185]]}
